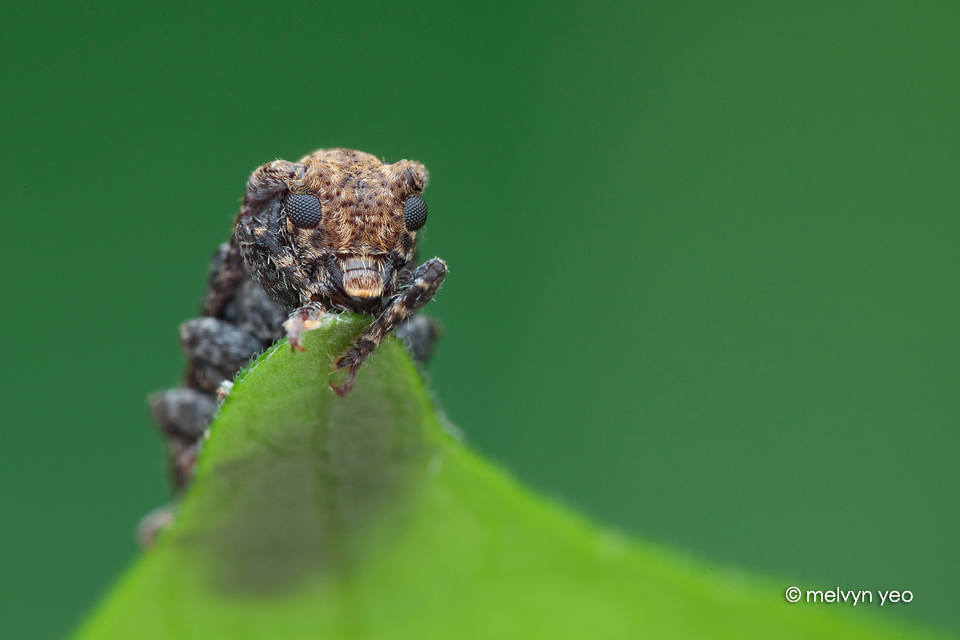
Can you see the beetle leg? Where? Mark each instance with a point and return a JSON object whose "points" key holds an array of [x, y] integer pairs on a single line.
{"points": [[413, 295]]}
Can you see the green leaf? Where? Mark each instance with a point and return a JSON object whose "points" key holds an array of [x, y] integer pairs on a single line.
{"points": [[313, 516]]}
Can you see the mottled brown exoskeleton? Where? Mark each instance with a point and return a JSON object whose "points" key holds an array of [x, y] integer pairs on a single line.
{"points": [[334, 231]]}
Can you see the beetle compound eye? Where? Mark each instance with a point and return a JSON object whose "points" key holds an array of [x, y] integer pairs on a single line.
{"points": [[303, 210], [414, 213]]}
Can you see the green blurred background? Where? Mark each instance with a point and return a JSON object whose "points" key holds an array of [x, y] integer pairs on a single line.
{"points": [[703, 261]]}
